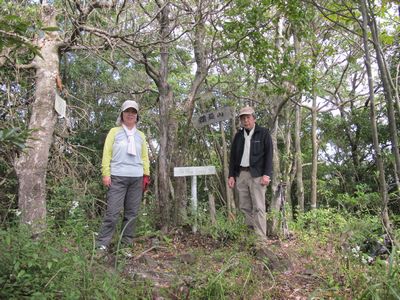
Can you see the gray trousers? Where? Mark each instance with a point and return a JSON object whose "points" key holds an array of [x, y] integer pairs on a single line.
{"points": [[124, 193], [252, 202]]}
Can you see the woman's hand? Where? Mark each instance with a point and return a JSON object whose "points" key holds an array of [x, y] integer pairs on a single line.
{"points": [[146, 182], [107, 181]]}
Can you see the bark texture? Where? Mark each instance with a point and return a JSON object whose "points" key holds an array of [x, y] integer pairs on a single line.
{"points": [[299, 161], [31, 166], [165, 105], [314, 159], [273, 220]]}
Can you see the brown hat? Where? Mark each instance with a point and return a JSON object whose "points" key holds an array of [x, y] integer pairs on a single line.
{"points": [[248, 110]]}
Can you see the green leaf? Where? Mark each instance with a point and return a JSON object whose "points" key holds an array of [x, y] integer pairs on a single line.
{"points": [[21, 273], [16, 266]]}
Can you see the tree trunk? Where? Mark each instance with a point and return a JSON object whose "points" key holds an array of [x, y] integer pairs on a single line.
{"points": [[299, 161], [181, 196], [288, 163], [31, 166], [378, 155], [234, 127], [164, 165], [385, 77], [272, 222], [230, 203], [165, 106], [297, 141], [314, 159]]}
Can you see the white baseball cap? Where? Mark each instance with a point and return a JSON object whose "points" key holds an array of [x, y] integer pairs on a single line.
{"points": [[127, 104], [130, 104]]}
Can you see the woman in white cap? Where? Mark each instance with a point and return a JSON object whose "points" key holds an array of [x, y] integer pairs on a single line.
{"points": [[126, 173]]}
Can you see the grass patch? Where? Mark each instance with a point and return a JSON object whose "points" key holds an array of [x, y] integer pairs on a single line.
{"points": [[218, 262]]}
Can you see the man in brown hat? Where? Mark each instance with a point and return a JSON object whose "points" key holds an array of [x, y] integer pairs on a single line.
{"points": [[251, 169]]}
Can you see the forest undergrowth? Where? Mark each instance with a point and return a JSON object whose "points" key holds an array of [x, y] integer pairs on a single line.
{"points": [[328, 255]]}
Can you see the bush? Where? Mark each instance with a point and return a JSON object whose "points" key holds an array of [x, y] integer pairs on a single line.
{"points": [[71, 202], [146, 222], [381, 281], [362, 201], [360, 229], [354, 269], [53, 267], [323, 220]]}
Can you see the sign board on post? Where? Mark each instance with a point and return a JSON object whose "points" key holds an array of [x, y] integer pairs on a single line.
{"points": [[194, 172], [213, 116]]}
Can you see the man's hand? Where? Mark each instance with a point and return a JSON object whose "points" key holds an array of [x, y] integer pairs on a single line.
{"points": [[265, 180], [146, 182], [107, 181], [231, 182]]}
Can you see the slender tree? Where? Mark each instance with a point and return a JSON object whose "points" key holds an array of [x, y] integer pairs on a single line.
{"points": [[378, 155], [297, 144], [387, 87]]}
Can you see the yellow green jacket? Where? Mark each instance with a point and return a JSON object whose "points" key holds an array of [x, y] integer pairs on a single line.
{"points": [[116, 160]]}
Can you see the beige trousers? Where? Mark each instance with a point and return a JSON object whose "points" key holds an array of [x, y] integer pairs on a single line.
{"points": [[252, 202]]}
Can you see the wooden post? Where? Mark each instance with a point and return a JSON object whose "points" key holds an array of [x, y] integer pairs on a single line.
{"points": [[211, 203]]}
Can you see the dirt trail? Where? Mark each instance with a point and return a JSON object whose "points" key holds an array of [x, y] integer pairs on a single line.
{"points": [[288, 274]]}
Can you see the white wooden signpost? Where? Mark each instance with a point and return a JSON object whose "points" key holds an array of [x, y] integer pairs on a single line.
{"points": [[194, 172]]}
